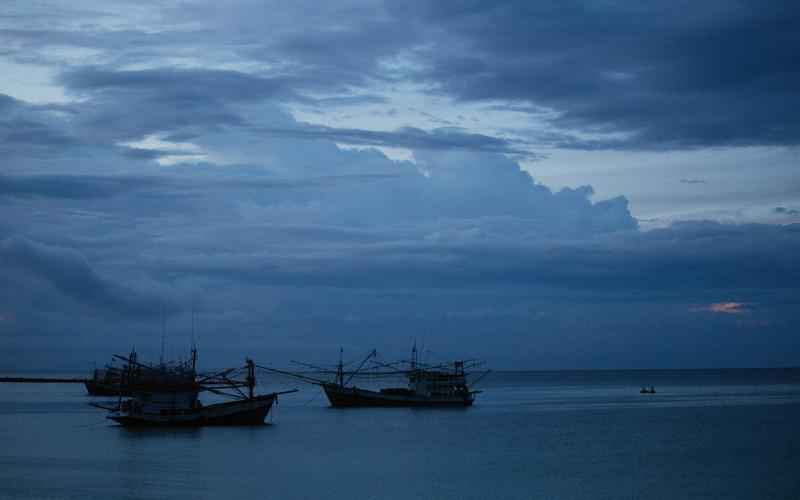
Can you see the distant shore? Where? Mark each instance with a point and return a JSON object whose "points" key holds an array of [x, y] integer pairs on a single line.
{"points": [[42, 380]]}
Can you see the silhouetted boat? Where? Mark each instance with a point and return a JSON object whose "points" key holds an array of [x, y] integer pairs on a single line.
{"points": [[443, 385], [167, 395], [645, 390], [105, 382]]}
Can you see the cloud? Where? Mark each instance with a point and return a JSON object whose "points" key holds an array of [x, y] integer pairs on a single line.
{"points": [[446, 138], [166, 100], [29, 130], [603, 81], [657, 83], [334, 261], [59, 140], [186, 86], [70, 272], [190, 102], [728, 308], [345, 100], [71, 186], [724, 308], [274, 227], [686, 257], [786, 211]]}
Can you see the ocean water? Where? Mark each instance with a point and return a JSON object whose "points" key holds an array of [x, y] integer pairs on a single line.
{"points": [[708, 434]]}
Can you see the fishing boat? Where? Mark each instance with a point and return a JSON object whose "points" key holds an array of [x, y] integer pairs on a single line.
{"points": [[105, 382], [168, 395], [442, 385]]}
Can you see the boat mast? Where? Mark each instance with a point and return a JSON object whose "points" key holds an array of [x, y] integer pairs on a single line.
{"points": [[340, 369], [251, 376], [163, 332], [194, 342], [194, 359]]}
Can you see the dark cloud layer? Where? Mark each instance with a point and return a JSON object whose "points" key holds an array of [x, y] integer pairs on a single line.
{"points": [[70, 186], [407, 137], [266, 225], [665, 74], [70, 272], [687, 256], [186, 86], [28, 130], [128, 105], [662, 76], [786, 211]]}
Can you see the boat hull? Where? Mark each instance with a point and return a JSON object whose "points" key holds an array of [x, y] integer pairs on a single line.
{"points": [[352, 397], [95, 388], [247, 412]]}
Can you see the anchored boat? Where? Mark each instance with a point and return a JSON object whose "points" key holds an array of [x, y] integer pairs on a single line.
{"points": [[105, 382], [167, 395], [442, 385]]}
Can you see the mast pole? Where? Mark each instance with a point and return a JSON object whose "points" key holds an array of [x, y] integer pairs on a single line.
{"points": [[194, 343], [340, 369], [163, 332], [251, 376]]}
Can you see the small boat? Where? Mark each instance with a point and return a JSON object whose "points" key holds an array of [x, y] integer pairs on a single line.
{"points": [[167, 395], [645, 390], [443, 385]]}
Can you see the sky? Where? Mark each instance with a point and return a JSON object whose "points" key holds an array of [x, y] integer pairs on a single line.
{"points": [[541, 185]]}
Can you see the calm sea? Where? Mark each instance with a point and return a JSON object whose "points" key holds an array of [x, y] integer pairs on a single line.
{"points": [[727, 434]]}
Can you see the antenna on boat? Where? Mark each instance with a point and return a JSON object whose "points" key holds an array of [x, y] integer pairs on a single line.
{"points": [[340, 368], [163, 332], [194, 342], [414, 356]]}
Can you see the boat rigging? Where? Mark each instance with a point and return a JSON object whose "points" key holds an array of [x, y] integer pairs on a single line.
{"points": [[167, 394], [428, 385]]}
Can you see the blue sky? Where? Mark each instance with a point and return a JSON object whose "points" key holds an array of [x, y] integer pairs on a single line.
{"points": [[542, 184]]}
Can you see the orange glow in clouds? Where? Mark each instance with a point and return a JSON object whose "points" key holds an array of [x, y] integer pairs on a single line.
{"points": [[728, 307]]}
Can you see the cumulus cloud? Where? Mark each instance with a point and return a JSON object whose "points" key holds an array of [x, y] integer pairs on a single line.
{"points": [[276, 228]]}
